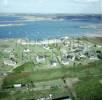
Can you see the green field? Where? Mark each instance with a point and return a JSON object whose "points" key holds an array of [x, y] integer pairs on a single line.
{"points": [[18, 76]]}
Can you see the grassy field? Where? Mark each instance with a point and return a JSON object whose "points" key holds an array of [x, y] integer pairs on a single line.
{"points": [[18, 76], [89, 88], [96, 40], [89, 76]]}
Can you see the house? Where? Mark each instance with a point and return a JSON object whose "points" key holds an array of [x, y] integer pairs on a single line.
{"points": [[63, 98], [46, 47], [11, 55], [41, 99], [82, 56], [46, 98], [8, 50], [50, 96], [92, 55], [10, 63], [64, 60], [63, 51], [3, 74], [17, 85], [73, 58], [26, 50], [93, 58], [40, 59], [53, 63], [99, 46]]}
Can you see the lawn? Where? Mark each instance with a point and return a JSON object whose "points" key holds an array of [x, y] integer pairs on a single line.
{"points": [[89, 88]]}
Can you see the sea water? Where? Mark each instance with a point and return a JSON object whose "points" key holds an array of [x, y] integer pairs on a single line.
{"points": [[44, 29]]}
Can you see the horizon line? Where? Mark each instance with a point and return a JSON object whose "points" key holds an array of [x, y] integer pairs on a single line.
{"points": [[53, 13]]}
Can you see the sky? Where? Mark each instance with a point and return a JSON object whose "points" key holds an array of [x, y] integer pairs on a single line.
{"points": [[51, 6]]}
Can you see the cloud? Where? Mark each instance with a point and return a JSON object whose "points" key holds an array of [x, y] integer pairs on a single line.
{"points": [[87, 1], [5, 2], [51, 6]]}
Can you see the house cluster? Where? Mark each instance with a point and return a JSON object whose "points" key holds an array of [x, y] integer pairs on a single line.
{"points": [[58, 98], [10, 60], [10, 63], [49, 97], [71, 50], [78, 51], [74, 50], [40, 58]]}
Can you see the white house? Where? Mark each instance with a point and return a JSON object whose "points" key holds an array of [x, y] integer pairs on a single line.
{"points": [[93, 58], [53, 63], [99, 46], [46, 47], [17, 85], [8, 50], [11, 55], [64, 60], [10, 63], [82, 56], [40, 59], [26, 50]]}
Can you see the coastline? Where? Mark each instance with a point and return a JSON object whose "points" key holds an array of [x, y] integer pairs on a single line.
{"points": [[9, 25], [55, 41], [25, 41], [94, 35], [49, 41]]}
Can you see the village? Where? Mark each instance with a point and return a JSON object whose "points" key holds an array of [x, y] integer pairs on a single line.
{"points": [[52, 53], [34, 56]]}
